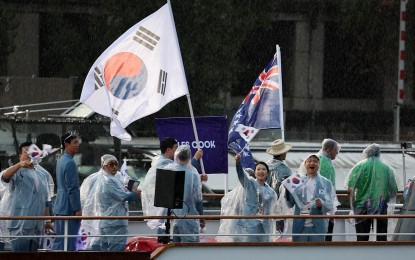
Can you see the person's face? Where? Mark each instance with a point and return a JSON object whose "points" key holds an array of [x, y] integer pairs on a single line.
{"points": [[261, 172], [170, 152], [24, 156], [312, 164], [111, 167], [73, 146], [282, 156], [332, 152]]}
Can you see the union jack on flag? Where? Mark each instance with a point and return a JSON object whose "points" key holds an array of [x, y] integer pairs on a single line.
{"points": [[259, 110]]}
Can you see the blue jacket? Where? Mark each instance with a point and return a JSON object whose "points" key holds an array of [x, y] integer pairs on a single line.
{"points": [[67, 180]]}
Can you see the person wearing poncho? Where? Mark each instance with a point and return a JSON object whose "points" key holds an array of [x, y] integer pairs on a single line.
{"points": [[252, 197], [279, 171], [192, 197], [313, 194], [328, 152], [148, 187], [168, 148], [104, 194], [26, 193], [372, 185]]}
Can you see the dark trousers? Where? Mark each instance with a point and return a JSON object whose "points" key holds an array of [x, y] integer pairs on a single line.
{"points": [[73, 229], [330, 230], [29, 244], [364, 226]]}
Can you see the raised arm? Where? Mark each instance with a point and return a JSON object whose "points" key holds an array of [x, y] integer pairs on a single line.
{"points": [[242, 175]]}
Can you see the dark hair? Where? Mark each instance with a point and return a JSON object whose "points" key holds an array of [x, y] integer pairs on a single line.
{"points": [[24, 145], [167, 142], [266, 165], [68, 137]]}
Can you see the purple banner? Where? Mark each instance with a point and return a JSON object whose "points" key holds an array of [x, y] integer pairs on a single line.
{"points": [[213, 137]]}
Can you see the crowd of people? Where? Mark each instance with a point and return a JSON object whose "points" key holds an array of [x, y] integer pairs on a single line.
{"points": [[271, 188]]}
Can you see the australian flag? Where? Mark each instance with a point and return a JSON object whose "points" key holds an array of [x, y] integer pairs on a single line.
{"points": [[260, 109]]}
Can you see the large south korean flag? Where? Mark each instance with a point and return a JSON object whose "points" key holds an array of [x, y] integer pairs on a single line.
{"points": [[138, 74]]}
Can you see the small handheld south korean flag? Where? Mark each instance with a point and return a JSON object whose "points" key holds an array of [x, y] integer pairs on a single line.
{"points": [[36, 155], [246, 132], [125, 178]]}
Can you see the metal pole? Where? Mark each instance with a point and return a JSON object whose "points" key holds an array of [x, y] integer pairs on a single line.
{"points": [[403, 166], [281, 95], [65, 239], [396, 122], [401, 66]]}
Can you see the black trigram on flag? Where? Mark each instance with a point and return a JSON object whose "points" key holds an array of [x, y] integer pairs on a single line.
{"points": [[99, 80], [146, 38], [116, 112], [161, 88]]}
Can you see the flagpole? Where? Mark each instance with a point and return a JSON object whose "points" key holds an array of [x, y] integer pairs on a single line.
{"points": [[188, 95], [281, 96], [195, 131]]}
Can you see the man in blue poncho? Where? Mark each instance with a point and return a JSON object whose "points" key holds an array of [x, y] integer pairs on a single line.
{"points": [[168, 147], [192, 197], [312, 194], [26, 194]]}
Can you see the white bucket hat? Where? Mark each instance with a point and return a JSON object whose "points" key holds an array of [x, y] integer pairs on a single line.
{"points": [[278, 147]]}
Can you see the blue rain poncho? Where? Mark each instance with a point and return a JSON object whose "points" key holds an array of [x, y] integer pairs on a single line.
{"points": [[26, 194], [148, 190], [104, 194], [192, 197], [303, 194], [278, 171], [248, 198]]}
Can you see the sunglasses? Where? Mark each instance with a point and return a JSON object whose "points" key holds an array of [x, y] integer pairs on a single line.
{"points": [[112, 164], [70, 134]]}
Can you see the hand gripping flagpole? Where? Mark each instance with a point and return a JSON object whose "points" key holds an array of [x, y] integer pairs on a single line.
{"points": [[188, 96], [195, 131]]}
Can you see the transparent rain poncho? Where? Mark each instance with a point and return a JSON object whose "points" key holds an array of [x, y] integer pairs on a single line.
{"points": [[192, 196], [90, 207], [248, 198], [278, 171], [148, 189], [103, 194], [28, 193], [302, 171], [322, 189], [373, 185]]}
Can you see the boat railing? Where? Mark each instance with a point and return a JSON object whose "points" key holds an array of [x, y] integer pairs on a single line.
{"points": [[344, 217]]}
